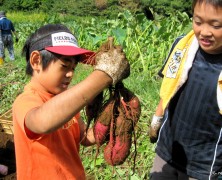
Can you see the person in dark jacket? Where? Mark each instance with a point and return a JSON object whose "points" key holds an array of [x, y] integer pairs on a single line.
{"points": [[189, 144], [6, 39]]}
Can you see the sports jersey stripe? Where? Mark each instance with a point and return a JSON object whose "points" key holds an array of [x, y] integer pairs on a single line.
{"points": [[215, 153]]}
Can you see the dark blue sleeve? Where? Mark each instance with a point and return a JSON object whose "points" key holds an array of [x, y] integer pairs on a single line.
{"points": [[0, 25]]}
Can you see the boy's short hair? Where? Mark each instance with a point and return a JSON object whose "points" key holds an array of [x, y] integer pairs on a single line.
{"points": [[56, 39], [215, 3]]}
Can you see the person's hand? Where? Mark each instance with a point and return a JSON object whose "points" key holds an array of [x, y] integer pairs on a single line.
{"points": [[112, 60], [16, 39], [155, 126]]}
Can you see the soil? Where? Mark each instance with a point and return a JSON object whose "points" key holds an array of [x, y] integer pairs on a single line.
{"points": [[7, 155]]}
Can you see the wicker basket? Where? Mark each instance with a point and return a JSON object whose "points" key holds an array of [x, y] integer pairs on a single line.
{"points": [[6, 124]]}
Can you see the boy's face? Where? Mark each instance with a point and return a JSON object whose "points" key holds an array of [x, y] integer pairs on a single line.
{"points": [[58, 75], [207, 26]]}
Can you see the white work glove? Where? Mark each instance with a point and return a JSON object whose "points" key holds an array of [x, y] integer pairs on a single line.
{"points": [[155, 126], [112, 60]]}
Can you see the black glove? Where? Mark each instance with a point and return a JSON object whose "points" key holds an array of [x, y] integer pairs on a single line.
{"points": [[16, 39]]}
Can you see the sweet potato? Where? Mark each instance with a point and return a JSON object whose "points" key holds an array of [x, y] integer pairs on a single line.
{"points": [[130, 104], [118, 148], [122, 126], [115, 123], [102, 125], [121, 149], [117, 154], [116, 119], [100, 132], [135, 108], [3, 169]]}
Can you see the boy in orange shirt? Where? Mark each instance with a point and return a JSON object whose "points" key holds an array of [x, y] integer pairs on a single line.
{"points": [[48, 129]]}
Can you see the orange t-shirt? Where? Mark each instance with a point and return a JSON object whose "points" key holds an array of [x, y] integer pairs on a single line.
{"points": [[48, 156]]}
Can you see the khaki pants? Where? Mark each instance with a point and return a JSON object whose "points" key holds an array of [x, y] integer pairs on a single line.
{"points": [[161, 170]]}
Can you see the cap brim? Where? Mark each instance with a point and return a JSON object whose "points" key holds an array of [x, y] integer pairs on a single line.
{"points": [[83, 54], [67, 50]]}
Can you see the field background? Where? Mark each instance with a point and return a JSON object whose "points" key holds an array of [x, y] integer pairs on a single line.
{"points": [[146, 44]]}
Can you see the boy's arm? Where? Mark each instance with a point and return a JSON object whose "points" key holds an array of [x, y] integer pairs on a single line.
{"points": [[61, 108], [159, 109], [156, 123]]}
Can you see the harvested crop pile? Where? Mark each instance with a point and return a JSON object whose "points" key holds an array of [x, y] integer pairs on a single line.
{"points": [[114, 122], [126, 113], [114, 116]]}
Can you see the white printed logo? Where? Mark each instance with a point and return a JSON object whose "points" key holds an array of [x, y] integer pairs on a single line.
{"points": [[63, 39], [174, 63]]}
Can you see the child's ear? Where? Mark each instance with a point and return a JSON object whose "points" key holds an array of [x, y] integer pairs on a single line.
{"points": [[36, 61]]}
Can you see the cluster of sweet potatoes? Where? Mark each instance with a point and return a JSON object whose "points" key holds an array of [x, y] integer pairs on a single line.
{"points": [[114, 120]]}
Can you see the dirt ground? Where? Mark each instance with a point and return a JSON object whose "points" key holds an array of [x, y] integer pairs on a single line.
{"points": [[7, 155]]}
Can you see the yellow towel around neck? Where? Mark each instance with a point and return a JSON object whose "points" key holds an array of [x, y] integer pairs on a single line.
{"points": [[178, 64]]}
